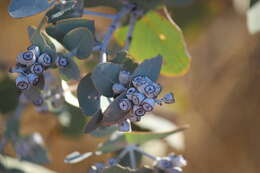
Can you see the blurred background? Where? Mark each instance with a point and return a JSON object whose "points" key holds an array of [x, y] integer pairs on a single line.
{"points": [[219, 96]]}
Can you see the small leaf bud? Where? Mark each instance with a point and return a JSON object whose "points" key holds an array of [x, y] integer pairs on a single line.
{"points": [[124, 77]]}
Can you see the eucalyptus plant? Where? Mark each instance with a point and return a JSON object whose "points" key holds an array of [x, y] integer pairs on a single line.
{"points": [[115, 94]]}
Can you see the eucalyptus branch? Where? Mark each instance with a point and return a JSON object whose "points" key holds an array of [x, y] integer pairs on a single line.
{"points": [[115, 23], [133, 19], [93, 13]]}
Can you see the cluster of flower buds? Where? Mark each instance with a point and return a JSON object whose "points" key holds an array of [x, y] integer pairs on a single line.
{"points": [[171, 164], [99, 167], [31, 64], [141, 95]]}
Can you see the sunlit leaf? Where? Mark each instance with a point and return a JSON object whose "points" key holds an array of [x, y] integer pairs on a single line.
{"points": [[155, 35], [25, 8]]}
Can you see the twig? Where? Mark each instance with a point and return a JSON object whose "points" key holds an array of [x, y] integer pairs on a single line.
{"points": [[115, 23], [134, 16], [145, 153], [132, 159], [93, 13]]}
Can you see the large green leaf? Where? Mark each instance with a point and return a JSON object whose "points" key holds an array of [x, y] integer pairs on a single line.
{"points": [[104, 76], [81, 40], [60, 29], [70, 72], [25, 8], [113, 113], [155, 35], [150, 68], [88, 96]]}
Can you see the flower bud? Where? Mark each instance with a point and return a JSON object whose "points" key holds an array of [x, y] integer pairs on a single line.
{"points": [[37, 69], [61, 61], [125, 105], [38, 102], [124, 77], [45, 59], [138, 81], [152, 90], [138, 110], [35, 49], [148, 104], [26, 58], [130, 92], [118, 88], [164, 163], [178, 160], [125, 126], [112, 162], [22, 82], [137, 98], [168, 98], [135, 118], [33, 79]]}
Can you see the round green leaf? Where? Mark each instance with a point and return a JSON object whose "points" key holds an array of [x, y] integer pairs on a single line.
{"points": [[150, 68], [81, 40], [60, 29], [155, 35], [88, 96], [25, 8], [104, 76]]}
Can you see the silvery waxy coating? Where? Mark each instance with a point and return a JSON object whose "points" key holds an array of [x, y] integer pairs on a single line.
{"points": [[152, 90], [130, 92], [168, 98], [37, 69], [125, 105], [26, 58], [138, 110], [178, 160], [33, 79], [35, 49], [164, 163], [137, 98], [61, 61], [118, 88], [125, 126], [135, 118], [22, 82], [38, 102], [45, 59], [138, 81], [124, 77], [148, 104]]}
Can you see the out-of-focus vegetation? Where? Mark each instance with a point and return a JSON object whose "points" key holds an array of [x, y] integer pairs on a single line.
{"points": [[218, 97]]}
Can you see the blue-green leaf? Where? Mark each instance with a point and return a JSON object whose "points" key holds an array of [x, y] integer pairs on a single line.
{"points": [[88, 96], [104, 76], [70, 72], [81, 40], [25, 8]]}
